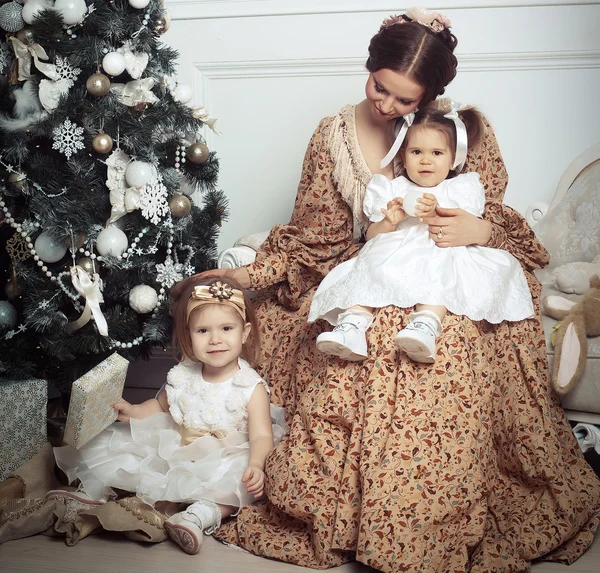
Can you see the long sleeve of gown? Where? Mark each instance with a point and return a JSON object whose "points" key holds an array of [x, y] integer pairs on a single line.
{"points": [[510, 230], [320, 233]]}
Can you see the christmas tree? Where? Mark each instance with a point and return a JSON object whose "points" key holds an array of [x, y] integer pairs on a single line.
{"points": [[99, 155]]}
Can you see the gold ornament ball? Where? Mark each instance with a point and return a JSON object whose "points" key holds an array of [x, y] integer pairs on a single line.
{"points": [[25, 35], [87, 264], [17, 180], [162, 24], [102, 143], [11, 289], [98, 84], [180, 205], [197, 153], [77, 241]]}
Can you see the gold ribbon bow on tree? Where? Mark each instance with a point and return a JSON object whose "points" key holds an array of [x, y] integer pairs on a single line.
{"points": [[25, 53]]}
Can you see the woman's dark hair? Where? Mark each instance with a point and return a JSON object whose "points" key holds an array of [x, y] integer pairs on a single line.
{"points": [[182, 342], [425, 56]]}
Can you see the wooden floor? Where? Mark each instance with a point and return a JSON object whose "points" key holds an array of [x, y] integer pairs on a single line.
{"points": [[115, 554]]}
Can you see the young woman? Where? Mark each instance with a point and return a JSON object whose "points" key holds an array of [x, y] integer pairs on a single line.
{"points": [[468, 464]]}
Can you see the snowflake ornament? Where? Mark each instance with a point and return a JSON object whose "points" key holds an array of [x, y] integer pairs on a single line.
{"points": [[66, 71], [169, 273], [153, 200], [68, 138]]}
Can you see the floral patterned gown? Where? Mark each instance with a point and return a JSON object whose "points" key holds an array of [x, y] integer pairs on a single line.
{"points": [[468, 464]]}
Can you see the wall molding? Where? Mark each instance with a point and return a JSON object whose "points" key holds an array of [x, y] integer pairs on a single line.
{"points": [[507, 61], [209, 9]]}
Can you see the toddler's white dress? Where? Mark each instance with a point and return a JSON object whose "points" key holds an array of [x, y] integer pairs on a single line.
{"points": [[406, 267], [149, 456]]}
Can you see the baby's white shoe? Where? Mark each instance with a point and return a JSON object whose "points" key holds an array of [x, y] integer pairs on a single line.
{"points": [[347, 340], [419, 337], [187, 528]]}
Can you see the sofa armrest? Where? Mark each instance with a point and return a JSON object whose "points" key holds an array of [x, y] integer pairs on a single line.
{"points": [[243, 252]]}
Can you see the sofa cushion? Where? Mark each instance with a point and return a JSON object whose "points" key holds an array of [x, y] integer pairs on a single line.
{"points": [[571, 230], [585, 397]]}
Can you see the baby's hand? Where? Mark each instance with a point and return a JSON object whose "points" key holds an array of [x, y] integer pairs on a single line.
{"points": [[394, 214], [426, 206], [124, 410], [254, 478]]}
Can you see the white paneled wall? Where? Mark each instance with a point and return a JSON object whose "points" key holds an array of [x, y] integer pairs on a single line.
{"points": [[271, 69]]}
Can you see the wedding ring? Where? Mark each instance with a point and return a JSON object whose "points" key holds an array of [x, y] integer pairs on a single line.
{"points": [[440, 233]]}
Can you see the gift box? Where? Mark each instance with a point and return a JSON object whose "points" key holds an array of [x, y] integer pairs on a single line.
{"points": [[92, 399], [23, 406]]}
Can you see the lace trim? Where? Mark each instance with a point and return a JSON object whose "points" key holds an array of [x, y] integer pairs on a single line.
{"points": [[350, 170]]}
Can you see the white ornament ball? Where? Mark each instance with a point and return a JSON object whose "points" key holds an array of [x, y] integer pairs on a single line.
{"points": [[113, 63], [139, 173], [410, 202], [187, 187], [183, 93], [49, 249], [111, 241], [72, 11], [8, 315], [143, 299], [139, 3], [32, 7]]}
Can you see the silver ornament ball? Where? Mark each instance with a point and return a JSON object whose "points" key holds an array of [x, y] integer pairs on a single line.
{"points": [[143, 299], [11, 17], [8, 315]]}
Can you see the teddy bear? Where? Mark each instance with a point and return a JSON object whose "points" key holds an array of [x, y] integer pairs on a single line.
{"points": [[574, 278], [578, 320]]}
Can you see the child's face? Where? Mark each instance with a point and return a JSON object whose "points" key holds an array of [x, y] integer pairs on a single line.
{"points": [[218, 333], [427, 158]]}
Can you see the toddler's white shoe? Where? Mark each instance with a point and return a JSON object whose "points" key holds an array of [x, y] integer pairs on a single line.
{"points": [[346, 340], [419, 337], [186, 528]]}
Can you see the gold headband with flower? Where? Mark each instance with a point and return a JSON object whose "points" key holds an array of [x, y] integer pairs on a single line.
{"points": [[217, 293], [432, 20]]}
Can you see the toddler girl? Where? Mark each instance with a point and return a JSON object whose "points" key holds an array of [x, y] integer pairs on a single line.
{"points": [[204, 439], [402, 264]]}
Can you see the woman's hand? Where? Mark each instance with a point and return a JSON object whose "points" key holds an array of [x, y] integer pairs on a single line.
{"points": [[240, 275], [254, 478], [458, 228], [394, 214]]}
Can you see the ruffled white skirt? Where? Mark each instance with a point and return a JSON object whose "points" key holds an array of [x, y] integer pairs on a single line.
{"points": [[406, 267], [147, 457]]}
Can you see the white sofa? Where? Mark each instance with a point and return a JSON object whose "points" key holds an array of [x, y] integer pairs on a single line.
{"points": [[569, 227]]}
